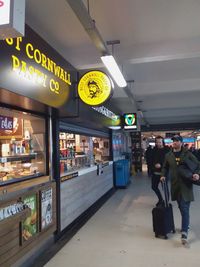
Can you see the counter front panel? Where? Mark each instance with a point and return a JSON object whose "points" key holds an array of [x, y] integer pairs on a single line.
{"points": [[78, 194], [27, 217]]}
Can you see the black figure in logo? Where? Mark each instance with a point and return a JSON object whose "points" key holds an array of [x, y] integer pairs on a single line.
{"points": [[94, 89]]}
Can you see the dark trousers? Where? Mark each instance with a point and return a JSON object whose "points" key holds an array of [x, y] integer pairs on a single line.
{"points": [[155, 186], [149, 170], [184, 207]]}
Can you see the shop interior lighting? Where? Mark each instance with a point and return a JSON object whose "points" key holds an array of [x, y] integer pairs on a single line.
{"points": [[114, 70]]}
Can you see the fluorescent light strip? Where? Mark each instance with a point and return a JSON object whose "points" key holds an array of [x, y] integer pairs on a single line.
{"points": [[114, 70]]}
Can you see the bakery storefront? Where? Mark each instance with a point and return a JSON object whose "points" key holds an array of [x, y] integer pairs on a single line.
{"points": [[34, 82]]}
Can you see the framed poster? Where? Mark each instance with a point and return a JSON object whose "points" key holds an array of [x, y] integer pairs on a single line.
{"points": [[46, 207], [11, 127], [29, 226]]}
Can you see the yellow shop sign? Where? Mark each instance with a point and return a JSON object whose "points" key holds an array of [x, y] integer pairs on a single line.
{"points": [[94, 88]]}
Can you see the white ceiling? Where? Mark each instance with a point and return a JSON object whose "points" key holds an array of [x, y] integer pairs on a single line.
{"points": [[159, 49]]}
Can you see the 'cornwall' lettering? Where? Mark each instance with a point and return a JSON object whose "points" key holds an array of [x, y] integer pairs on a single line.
{"points": [[40, 58]]}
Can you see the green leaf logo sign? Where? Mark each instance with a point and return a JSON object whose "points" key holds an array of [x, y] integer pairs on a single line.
{"points": [[130, 119]]}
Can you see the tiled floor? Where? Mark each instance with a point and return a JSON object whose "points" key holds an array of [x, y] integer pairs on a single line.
{"points": [[120, 234]]}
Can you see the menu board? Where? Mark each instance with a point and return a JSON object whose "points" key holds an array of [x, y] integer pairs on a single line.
{"points": [[29, 226], [46, 208]]}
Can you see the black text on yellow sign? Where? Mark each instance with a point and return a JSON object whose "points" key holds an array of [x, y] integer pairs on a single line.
{"points": [[94, 88], [29, 72]]}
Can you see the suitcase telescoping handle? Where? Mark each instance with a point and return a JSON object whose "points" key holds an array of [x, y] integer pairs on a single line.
{"points": [[166, 195]]}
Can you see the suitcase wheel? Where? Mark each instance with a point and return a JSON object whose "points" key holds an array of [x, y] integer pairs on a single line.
{"points": [[156, 236], [166, 237], [174, 231]]}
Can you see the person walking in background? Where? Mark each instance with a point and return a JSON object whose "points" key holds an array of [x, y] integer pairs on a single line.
{"points": [[158, 156], [148, 156], [181, 191]]}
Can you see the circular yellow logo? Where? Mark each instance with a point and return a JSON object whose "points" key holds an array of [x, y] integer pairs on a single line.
{"points": [[94, 88]]}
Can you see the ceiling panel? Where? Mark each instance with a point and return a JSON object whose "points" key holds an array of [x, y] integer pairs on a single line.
{"points": [[159, 49]]}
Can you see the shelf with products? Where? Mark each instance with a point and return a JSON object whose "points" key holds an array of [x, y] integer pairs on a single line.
{"points": [[21, 157], [79, 151], [73, 164], [22, 146], [64, 158], [75, 152]]}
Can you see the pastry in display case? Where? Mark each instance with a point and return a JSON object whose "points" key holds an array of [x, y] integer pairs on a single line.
{"points": [[16, 167], [22, 146]]}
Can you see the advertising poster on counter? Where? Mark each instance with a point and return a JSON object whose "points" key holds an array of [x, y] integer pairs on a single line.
{"points": [[46, 208], [29, 226]]}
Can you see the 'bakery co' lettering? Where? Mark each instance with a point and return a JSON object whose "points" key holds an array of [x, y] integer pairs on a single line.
{"points": [[23, 69]]}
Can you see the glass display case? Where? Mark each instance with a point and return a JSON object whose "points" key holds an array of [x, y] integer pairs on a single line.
{"points": [[101, 149], [78, 151], [22, 146]]}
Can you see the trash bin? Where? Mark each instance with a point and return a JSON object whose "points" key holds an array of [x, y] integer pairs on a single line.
{"points": [[121, 173], [126, 170]]}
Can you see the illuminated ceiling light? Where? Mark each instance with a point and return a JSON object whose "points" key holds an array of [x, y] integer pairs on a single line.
{"points": [[114, 70]]}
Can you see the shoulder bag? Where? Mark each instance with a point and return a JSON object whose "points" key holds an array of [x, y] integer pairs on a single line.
{"points": [[186, 170]]}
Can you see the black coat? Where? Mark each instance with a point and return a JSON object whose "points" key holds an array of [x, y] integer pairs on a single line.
{"points": [[158, 156]]}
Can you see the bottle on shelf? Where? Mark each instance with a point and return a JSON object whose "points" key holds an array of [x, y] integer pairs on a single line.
{"points": [[27, 146], [13, 147]]}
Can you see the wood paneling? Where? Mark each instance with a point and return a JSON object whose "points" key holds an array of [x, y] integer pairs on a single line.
{"points": [[11, 248], [12, 234]]}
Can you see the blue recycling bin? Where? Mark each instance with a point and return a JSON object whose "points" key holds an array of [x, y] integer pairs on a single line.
{"points": [[126, 170], [121, 173]]}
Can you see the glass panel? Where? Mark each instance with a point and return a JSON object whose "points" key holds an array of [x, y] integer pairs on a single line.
{"points": [[22, 146], [79, 151]]}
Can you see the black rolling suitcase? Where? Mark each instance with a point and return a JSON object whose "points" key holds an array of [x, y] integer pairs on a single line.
{"points": [[163, 219]]}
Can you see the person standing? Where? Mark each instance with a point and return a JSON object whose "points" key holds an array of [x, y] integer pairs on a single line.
{"points": [[181, 191], [158, 156], [148, 156]]}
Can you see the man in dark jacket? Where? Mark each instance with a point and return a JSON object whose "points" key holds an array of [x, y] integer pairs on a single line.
{"points": [[158, 156], [181, 191]]}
